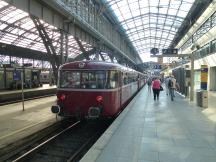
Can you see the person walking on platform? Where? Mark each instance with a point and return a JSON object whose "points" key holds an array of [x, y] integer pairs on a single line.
{"points": [[166, 84], [149, 82], [172, 87], [156, 88]]}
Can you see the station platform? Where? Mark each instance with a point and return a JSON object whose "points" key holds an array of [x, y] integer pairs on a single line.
{"points": [[159, 131], [6, 96], [16, 124]]}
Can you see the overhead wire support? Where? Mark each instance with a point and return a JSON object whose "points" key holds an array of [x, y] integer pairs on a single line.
{"points": [[111, 57], [102, 57], [55, 62]]}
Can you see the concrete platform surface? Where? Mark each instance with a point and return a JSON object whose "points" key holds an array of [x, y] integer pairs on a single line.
{"points": [[159, 131], [16, 124]]}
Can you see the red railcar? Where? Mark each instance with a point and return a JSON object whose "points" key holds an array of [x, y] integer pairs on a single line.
{"points": [[93, 89]]}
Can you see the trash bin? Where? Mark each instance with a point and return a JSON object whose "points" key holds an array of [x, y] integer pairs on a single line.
{"points": [[202, 98], [198, 98]]}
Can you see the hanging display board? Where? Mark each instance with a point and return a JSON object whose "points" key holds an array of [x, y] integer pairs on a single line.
{"points": [[204, 77]]}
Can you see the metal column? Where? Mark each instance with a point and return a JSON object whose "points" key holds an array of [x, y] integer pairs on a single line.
{"points": [[192, 78]]}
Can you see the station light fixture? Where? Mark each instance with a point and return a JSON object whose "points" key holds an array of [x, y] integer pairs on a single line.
{"points": [[154, 51]]}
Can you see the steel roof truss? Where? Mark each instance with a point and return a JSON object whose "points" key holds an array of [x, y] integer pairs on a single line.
{"points": [[48, 45]]}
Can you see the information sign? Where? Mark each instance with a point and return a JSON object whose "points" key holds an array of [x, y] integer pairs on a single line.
{"points": [[17, 75]]}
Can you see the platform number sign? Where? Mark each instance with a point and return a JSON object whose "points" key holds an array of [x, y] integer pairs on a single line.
{"points": [[157, 67], [17, 75]]}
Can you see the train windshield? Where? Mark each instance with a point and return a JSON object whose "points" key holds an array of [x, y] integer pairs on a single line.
{"points": [[83, 79], [92, 79]]}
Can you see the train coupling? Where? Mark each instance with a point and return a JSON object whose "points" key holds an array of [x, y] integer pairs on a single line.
{"points": [[94, 112], [55, 109]]}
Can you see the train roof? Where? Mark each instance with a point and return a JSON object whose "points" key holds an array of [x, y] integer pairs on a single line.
{"points": [[94, 65]]}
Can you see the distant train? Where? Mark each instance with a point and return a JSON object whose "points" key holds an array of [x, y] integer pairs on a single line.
{"points": [[93, 89], [45, 77], [10, 78]]}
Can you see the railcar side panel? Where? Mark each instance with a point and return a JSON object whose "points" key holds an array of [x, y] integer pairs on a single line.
{"points": [[126, 94], [134, 88]]}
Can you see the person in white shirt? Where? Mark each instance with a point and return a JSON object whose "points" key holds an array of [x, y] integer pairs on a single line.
{"points": [[149, 82], [166, 84]]}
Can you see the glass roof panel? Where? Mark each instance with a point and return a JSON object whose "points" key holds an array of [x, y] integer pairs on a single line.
{"points": [[157, 20], [2, 26], [2, 3]]}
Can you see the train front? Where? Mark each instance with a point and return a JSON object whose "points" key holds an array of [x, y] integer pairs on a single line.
{"points": [[87, 90]]}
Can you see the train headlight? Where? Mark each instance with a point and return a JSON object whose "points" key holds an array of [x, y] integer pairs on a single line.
{"points": [[99, 99]]}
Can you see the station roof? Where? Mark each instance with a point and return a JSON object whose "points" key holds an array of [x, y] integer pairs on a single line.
{"points": [[17, 28], [146, 23], [155, 23]]}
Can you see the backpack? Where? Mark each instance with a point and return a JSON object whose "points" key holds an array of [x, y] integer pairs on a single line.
{"points": [[170, 83]]}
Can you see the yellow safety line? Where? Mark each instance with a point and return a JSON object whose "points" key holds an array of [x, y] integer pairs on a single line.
{"points": [[20, 130]]}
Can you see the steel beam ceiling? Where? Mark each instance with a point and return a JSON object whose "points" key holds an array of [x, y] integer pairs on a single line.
{"points": [[59, 14]]}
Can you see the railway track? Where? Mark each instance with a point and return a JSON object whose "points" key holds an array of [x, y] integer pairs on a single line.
{"points": [[68, 145]]}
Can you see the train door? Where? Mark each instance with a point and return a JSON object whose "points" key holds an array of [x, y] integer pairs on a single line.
{"points": [[9, 78], [120, 87], [35, 78], [27, 80], [114, 82], [2, 79], [138, 82]]}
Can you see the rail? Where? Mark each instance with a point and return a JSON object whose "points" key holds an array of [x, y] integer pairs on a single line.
{"points": [[68, 145]]}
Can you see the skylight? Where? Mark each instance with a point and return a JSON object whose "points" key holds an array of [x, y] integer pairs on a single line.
{"points": [[150, 23]]}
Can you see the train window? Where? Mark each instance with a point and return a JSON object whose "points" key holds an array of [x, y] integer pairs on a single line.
{"points": [[125, 78], [130, 77], [83, 79], [70, 79], [113, 79], [101, 79], [93, 79]]}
